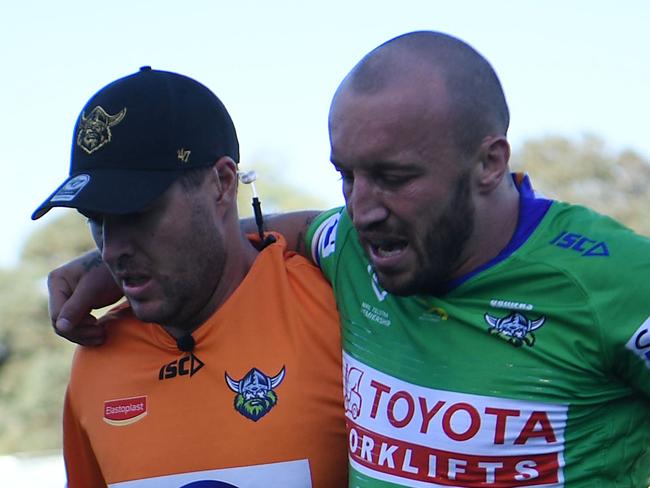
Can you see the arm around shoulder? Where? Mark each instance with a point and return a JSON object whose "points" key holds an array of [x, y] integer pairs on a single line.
{"points": [[75, 289], [292, 225]]}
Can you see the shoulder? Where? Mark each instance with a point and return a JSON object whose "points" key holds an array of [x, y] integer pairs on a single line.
{"points": [[291, 272], [609, 262], [123, 330], [332, 237], [600, 260], [590, 234], [279, 260]]}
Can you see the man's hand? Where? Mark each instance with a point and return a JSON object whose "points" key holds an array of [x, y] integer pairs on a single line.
{"points": [[75, 289]]}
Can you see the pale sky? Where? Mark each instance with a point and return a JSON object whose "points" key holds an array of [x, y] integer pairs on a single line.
{"points": [[568, 67]]}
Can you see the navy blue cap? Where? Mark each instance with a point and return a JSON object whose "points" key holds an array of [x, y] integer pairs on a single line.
{"points": [[136, 136]]}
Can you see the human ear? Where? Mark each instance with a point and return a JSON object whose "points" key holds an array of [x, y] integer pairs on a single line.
{"points": [[226, 179], [494, 156]]}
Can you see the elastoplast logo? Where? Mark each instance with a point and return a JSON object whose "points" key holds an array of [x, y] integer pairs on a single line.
{"points": [[125, 411]]}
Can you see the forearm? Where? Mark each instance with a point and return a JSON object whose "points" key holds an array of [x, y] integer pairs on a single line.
{"points": [[292, 225], [75, 289]]}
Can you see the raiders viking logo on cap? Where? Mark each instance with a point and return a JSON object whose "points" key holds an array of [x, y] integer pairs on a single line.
{"points": [[95, 130]]}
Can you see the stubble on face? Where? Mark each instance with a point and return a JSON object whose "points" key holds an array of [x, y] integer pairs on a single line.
{"points": [[407, 123], [178, 254], [193, 276], [440, 250]]}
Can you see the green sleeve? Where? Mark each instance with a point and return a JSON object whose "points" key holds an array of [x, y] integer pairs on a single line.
{"points": [[320, 240]]}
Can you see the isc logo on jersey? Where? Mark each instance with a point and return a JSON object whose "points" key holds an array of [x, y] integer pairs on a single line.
{"points": [[407, 434], [186, 366], [581, 244]]}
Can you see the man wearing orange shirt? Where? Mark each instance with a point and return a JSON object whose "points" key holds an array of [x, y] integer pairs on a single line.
{"points": [[207, 377]]}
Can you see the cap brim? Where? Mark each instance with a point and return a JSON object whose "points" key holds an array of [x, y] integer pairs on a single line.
{"points": [[114, 192]]}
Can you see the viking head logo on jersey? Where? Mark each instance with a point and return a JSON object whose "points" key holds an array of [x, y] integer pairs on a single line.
{"points": [[516, 328], [255, 393], [95, 130]]}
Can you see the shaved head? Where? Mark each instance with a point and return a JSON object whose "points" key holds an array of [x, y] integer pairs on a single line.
{"points": [[439, 67], [418, 135]]}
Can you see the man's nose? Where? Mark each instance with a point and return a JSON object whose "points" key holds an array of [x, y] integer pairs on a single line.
{"points": [[365, 203], [117, 239]]}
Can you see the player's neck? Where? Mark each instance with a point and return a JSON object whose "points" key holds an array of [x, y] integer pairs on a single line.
{"points": [[495, 223], [239, 258]]}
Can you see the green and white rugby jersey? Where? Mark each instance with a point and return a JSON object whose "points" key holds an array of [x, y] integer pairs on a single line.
{"points": [[532, 371]]}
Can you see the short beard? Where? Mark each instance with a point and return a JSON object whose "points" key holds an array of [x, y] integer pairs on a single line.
{"points": [[187, 291], [443, 244]]}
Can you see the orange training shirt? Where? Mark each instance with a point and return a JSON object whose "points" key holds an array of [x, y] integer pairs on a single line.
{"points": [[257, 403]]}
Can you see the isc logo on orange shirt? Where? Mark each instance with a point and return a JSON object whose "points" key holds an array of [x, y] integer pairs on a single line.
{"points": [[125, 411]]}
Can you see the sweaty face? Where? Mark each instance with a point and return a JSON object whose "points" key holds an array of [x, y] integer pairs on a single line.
{"points": [[406, 187], [167, 259]]}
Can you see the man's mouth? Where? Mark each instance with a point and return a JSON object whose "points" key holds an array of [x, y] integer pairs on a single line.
{"points": [[134, 280], [134, 284], [385, 252]]}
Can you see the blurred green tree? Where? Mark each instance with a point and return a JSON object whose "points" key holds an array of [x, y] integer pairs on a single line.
{"points": [[34, 362], [585, 171]]}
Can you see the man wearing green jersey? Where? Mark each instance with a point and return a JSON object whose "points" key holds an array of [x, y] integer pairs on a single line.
{"points": [[491, 337]]}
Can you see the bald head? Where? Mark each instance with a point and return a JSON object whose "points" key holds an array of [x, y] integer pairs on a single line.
{"points": [[440, 69]]}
